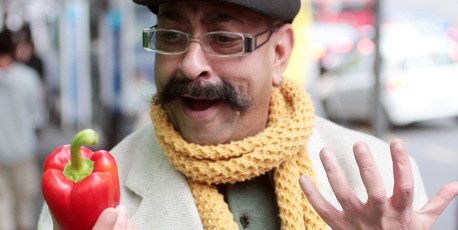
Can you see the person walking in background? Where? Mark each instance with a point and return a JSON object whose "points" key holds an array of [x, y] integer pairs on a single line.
{"points": [[25, 51], [21, 103]]}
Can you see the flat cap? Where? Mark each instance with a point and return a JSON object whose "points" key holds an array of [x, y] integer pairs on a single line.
{"points": [[284, 10]]}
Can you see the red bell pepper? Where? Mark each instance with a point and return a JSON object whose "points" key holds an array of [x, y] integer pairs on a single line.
{"points": [[79, 184]]}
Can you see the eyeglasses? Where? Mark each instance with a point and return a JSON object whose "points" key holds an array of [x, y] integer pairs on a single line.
{"points": [[218, 43]]}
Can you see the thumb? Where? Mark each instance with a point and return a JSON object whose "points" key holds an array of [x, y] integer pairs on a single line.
{"points": [[434, 207], [106, 220]]}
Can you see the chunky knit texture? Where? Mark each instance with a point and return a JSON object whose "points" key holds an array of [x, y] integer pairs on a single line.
{"points": [[280, 147]]}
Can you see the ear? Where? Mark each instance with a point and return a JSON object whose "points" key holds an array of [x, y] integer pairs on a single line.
{"points": [[283, 50]]}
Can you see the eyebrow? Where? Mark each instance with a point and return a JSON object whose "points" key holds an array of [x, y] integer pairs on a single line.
{"points": [[219, 17], [171, 15], [214, 17]]}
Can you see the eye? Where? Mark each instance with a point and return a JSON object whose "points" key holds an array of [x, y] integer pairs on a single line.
{"points": [[225, 39], [169, 37], [222, 38]]}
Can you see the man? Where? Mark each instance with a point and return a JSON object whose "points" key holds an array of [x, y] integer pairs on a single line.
{"points": [[231, 137], [21, 103]]}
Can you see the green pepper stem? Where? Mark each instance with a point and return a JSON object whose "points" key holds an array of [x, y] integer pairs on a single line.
{"points": [[85, 137], [78, 168]]}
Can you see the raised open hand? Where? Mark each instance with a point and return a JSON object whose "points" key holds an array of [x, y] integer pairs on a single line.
{"points": [[380, 211]]}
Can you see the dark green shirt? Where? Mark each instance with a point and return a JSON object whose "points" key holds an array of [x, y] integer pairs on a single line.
{"points": [[253, 203]]}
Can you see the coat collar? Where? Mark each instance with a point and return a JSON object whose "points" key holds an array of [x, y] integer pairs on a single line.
{"points": [[164, 193], [145, 163]]}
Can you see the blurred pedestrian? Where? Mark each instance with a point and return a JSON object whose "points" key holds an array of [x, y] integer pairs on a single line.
{"points": [[20, 102], [25, 51]]}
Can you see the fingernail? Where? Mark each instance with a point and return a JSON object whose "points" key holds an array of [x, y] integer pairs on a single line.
{"points": [[398, 146], [122, 209], [302, 179], [361, 149], [325, 153], [111, 217]]}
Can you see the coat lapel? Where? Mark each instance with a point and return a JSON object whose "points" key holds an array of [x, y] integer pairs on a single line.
{"points": [[166, 201]]}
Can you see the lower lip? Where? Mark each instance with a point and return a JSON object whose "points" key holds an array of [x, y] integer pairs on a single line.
{"points": [[201, 114]]}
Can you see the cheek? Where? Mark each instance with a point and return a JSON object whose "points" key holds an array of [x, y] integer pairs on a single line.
{"points": [[247, 74], [164, 70]]}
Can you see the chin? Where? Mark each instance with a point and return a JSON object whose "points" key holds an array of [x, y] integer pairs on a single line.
{"points": [[207, 138]]}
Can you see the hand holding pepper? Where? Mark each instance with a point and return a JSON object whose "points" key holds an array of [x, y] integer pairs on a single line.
{"points": [[114, 218], [79, 184]]}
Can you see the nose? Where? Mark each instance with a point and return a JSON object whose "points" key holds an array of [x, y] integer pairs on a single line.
{"points": [[195, 63]]}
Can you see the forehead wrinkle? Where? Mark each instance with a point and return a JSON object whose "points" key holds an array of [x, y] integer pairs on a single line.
{"points": [[219, 17], [180, 12], [171, 15]]}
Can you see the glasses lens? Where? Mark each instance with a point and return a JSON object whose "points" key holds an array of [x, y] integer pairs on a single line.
{"points": [[168, 41], [224, 43]]}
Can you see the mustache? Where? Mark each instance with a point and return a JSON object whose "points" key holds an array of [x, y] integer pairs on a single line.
{"points": [[184, 87]]}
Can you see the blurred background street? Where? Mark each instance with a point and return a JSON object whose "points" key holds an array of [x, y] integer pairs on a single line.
{"points": [[95, 73]]}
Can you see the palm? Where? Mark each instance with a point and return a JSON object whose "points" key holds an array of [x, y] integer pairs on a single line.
{"points": [[379, 212]]}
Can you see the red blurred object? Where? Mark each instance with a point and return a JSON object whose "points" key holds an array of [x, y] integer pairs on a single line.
{"points": [[353, 12], [365, 46]]}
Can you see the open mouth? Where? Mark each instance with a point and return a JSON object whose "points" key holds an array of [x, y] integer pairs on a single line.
{"points": [[200, 104]]}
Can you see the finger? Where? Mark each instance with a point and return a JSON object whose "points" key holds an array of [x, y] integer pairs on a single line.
{"points": [[131, 225], [326, 210], [403, 190], [344, 194], [106, 220], [123, 218], [371, 177], [436, 205]]}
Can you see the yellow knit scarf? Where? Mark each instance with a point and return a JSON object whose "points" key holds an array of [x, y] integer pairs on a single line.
{"points": [[281, 147]]}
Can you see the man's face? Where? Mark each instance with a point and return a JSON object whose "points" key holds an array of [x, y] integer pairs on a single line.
{"points": [[200, 113]]}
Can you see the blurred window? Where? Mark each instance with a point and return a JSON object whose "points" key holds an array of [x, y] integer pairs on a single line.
{"points": [[427, 61], [360, 65]]}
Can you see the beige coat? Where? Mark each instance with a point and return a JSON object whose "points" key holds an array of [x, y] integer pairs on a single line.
{"points": [[158, 196]]}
